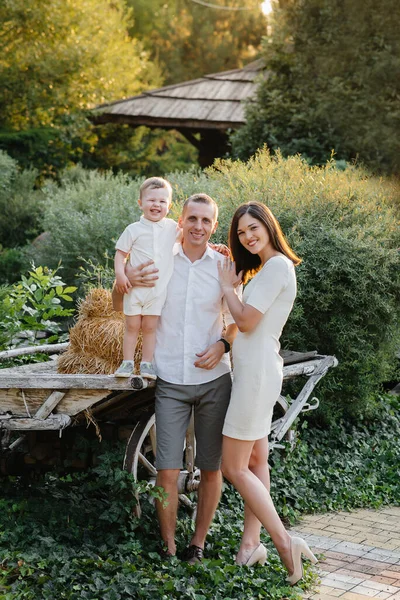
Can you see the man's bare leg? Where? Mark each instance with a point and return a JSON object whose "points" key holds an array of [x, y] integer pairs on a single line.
{"points": [[209, 494], [168, 479]]}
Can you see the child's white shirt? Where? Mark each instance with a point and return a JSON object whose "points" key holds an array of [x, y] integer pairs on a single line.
{"points": [[148, 240]]}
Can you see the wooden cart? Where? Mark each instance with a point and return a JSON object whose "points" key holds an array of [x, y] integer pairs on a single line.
{"points": [[39, 404]]}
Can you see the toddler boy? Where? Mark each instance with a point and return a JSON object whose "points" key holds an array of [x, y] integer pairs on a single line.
{"points": [[150, 238]]}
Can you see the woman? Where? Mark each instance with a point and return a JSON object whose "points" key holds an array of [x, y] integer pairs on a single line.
{"points": [[260, 252]]}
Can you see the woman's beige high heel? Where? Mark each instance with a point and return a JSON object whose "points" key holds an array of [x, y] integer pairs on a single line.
{"points": [[298, 547], [259, 555]]}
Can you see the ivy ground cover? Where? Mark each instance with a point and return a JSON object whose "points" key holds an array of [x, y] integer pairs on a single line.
{"points": [[73, 535]]}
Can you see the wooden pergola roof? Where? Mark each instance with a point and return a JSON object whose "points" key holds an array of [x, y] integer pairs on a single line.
{"points": [[210, 102]]}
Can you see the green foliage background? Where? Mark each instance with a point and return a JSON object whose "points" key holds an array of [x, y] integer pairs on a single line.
{"points": [[60, 59], [21, 209], [344, 224], [188, 40], [332, 82]]}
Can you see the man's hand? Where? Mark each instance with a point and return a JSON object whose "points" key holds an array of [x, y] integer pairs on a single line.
{"points": [[209, 358], [144, 275]]}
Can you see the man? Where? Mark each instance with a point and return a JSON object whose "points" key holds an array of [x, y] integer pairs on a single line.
{"points": [[193, 368]]}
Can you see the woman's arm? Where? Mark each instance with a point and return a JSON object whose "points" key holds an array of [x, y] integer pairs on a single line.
{"points": [[246, 317], [271, 281]]}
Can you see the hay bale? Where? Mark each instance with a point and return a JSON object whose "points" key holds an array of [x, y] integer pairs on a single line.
{"points": [[98, 303], [73, 362], [97, 337]]}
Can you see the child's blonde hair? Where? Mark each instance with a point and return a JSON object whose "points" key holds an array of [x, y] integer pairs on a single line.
{"points": [[155, 183]]}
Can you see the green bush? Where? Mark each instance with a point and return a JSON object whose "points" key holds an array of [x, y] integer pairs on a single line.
{"points": [[21, 208], [13, 262], [343, 467], [343, 224], [20, 205], [34, 304], [84, 216]]}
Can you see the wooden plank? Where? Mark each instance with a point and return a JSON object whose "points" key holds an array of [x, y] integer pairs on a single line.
{"points": [[298, 404], [59, 381], [41, 367], [290, 357], [309, 367], [50, 404], [43, 349], [74, 401], [53, 422]]}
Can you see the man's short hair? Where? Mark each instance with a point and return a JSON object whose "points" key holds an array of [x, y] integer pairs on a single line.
{"points": [[201, 199], [155, 183]]}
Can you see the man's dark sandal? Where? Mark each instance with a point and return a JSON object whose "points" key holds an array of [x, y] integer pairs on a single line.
{"points": [[163, 552], [193, 554]]}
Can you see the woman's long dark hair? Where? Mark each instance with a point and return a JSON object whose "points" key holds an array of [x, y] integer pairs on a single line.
{"points": [[246, 261]]}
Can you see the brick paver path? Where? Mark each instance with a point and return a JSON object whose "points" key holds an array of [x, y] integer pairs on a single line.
{"points": [[362, 553]]}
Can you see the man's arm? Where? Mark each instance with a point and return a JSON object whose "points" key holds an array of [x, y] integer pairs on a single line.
{"points": [[143, 275], [209, 358]]}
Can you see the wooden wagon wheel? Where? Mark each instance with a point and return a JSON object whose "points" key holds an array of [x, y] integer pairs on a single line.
{"points": [[140, 457]]}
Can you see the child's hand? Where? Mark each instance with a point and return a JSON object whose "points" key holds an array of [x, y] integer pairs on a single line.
{"points": [[122, 284]]}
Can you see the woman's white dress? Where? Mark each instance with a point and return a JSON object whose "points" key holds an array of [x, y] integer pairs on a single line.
{"points": [[257, 365]]}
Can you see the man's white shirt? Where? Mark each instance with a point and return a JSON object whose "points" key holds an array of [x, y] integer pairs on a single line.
{"points": [[192, 319]]}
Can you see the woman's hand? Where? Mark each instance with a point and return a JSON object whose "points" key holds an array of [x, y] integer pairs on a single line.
{"points": [[221, 248], [227, 275]]}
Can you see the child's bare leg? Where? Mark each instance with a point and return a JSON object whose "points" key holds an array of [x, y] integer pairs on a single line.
{"points": [[149, 326], [132, 327]]}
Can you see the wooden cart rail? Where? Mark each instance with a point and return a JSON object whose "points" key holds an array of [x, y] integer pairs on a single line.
{"points": [[25, 390], [35, 397]]}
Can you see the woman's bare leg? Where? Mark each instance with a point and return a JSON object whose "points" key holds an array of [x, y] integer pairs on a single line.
{"points": [[252, 526], [235, 466]]}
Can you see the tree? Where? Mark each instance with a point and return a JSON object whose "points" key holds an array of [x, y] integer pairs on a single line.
{"points": [[188, 39], [332, 83], [60, 56], [57, 60]]}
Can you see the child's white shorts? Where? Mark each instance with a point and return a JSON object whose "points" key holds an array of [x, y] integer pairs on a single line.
{"points": [[144, 301]]}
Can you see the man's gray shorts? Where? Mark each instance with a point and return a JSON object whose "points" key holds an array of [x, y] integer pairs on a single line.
{"points": [[173, 409]]}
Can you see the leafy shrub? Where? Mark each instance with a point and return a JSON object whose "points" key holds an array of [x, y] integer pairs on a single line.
{"points": [[84, 217], [342, 467], [20, 205], [21, 212], [12, 263], [343, 224], [34, 304]]}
